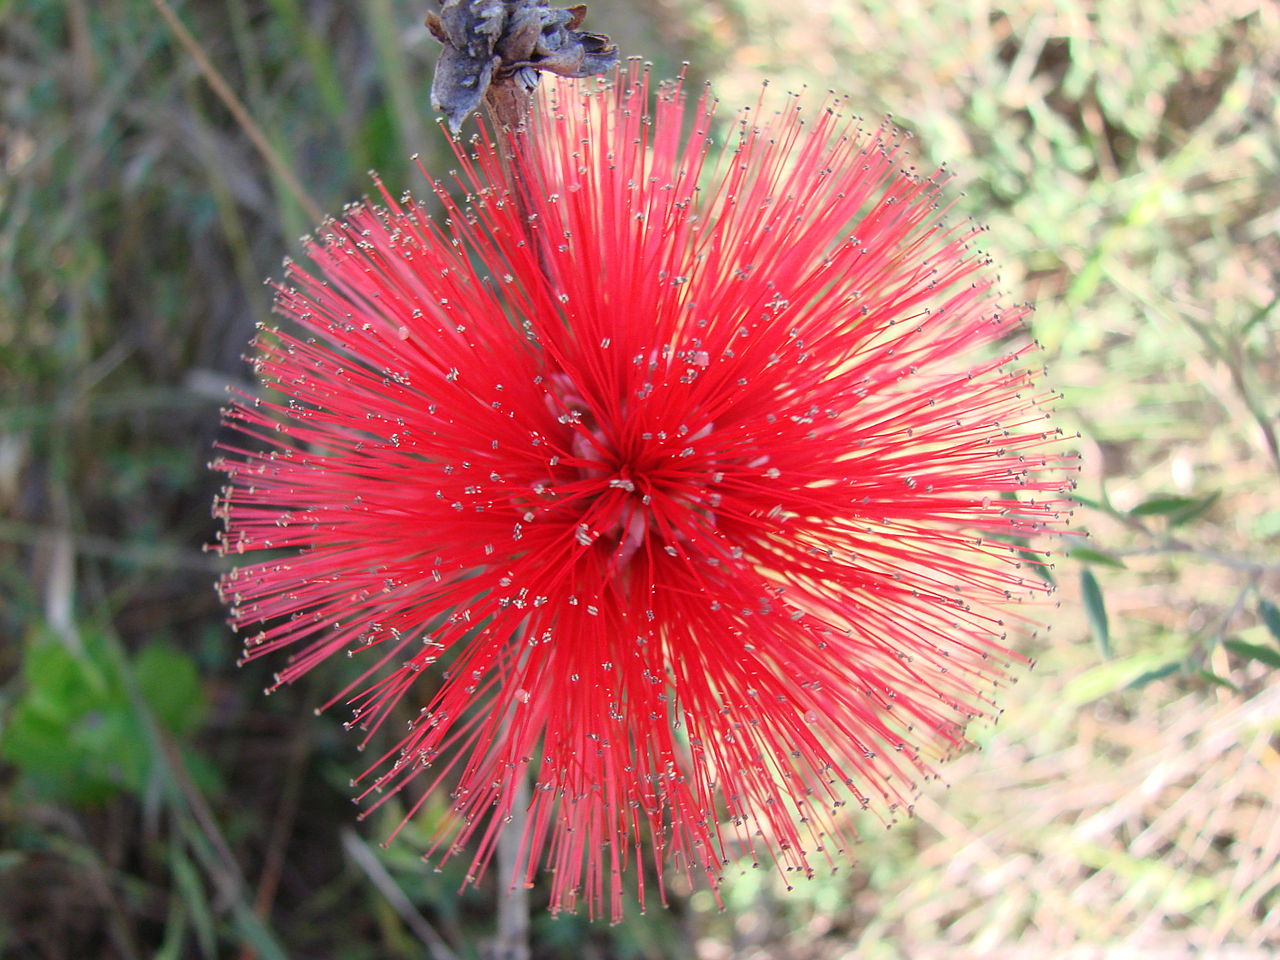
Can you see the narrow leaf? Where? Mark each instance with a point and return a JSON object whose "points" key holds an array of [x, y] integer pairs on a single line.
{"points": [[1159, 506], [1220, 681], [188, 882], [1159, 673], [1254, 651], [1085, 555], [1194, 510], [1097, 611], [1270, 616], [1086, 502], [1258, 315]]}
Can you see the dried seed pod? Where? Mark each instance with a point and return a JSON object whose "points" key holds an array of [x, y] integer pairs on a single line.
{"points": [[495, 49]]}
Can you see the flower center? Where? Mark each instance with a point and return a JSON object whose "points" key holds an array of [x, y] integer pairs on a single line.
{"points": [[620, 491]]}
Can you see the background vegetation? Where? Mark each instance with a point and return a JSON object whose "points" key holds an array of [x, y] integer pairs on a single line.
{"points": [[1126, 154]]}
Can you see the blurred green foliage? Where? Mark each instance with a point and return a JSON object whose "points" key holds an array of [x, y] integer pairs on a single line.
{"points": [[80, 731], [1126, 156]]}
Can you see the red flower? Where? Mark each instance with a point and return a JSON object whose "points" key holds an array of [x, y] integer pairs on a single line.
{"points": [[691, 503]]}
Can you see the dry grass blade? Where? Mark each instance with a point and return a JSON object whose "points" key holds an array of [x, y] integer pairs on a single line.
{"points": [[238, 110], [367, 861]]}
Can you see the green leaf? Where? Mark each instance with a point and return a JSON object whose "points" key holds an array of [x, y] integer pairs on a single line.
{"points": [[1254, 651], [1271, 617], [1162, 506], [1220, 681], [68, 734], [1110, 676], [1097, 611], [61, 685], [196, 904], [1196, 509], [1258, 315], [170, 684], [1159, 673], [1086, 502], [1085, 555], [38, 748], [75, 735], [1176, 510]]}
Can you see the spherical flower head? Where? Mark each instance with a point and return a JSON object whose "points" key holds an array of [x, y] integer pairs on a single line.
{"points": [[688, 484]]}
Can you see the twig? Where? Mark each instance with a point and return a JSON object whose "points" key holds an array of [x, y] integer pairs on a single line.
{"points": [[238, 110], [106, 548], [512, 940], [1209, 556], [364, 858]]}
